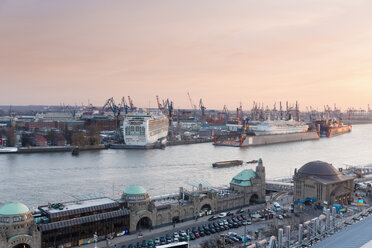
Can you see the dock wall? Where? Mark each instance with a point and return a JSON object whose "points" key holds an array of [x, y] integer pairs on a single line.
{"points": [[278, 138]]}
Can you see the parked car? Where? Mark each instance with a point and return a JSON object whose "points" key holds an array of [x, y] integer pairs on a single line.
{"points": [[144, 243], [162, 241], [157, 241], [168, 238], [150, 243], [222, 215]]}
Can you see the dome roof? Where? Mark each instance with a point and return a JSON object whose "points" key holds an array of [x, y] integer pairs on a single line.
{"points": [[13, 208], [135, 190], [320, 170]]}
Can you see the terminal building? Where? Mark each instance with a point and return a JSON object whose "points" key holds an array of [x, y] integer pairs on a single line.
{"points": [[321, 182], [76, 223], [247, 187]]}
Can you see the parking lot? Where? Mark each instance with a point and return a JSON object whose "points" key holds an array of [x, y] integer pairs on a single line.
{"points": [[232, 227]]}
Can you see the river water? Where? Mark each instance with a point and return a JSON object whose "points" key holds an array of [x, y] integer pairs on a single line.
{"points": [[36, 179]]}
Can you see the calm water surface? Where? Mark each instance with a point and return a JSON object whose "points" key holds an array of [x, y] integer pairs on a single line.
{"points": [[36, 179]]}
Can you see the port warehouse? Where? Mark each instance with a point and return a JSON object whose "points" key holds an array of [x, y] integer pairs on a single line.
{"points": [[75, 223]]}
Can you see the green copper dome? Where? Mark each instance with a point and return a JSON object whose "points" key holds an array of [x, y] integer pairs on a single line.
{"points": [[135, 190], [244, 178], [13, 208]]}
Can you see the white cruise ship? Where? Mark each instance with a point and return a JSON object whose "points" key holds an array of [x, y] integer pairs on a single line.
{"points": [[145, 129], [279, 127]]}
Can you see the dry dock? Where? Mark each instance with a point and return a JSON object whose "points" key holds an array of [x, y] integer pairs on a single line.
{"points": [[243, 140]]}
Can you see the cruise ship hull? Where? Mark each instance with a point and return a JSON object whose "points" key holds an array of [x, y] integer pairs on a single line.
{"points": [[258, 140]]}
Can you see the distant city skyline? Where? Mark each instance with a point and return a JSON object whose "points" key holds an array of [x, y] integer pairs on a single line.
{"points": [[68, 52]]}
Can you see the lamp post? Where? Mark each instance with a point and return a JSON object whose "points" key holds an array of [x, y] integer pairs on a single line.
{"points": [[95, 238]]}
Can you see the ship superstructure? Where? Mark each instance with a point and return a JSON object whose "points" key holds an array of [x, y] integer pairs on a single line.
{"points": [[145, 129], [279, 127]]}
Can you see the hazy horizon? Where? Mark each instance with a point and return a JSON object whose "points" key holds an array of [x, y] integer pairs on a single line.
{"points": [[71, 52]]}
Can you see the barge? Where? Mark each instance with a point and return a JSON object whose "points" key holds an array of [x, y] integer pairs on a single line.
{"points": [[229, 163]]}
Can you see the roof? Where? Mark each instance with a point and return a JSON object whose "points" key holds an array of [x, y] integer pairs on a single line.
{"points": [[244, 178], [13, 208], [135, 190], [356, 235], [320, 171], [72, 208], [82, 220]]}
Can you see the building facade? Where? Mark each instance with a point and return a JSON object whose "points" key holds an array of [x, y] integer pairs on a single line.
{"points": [[17, 227], [248, 187], [75, 223], [321, 182]]}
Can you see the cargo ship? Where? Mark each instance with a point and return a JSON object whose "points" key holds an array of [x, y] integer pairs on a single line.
{"points": [[268, 132], [330, 127], [144, 130]]}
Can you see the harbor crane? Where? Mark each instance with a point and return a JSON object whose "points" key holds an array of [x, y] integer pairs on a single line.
{"points": [[116, 109], [71, 109], [131, 105], [170, 111], [166, 108], [193, 107], [202, 109], [226, 113]]}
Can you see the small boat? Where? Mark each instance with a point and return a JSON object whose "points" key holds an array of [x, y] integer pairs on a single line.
{"points": [[75, 151], [252, 162], [229, 163]]}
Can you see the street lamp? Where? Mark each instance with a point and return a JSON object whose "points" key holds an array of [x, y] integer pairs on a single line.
{"points": [[95, 238]]}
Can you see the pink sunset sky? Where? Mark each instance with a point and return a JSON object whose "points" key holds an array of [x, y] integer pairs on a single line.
{"points": [[226, 52]]}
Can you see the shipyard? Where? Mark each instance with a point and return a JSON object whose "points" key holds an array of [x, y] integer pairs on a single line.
{"points": [[185, 124]]}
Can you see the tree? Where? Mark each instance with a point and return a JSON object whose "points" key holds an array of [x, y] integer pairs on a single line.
{"points": [[79, 139], [68, 134], [26, 139], [51, 137], [11, 136]]}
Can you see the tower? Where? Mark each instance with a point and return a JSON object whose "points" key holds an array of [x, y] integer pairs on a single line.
{"points": [[260, 171]]}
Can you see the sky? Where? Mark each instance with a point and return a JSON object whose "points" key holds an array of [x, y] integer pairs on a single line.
{"points": [[225, 52]]}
